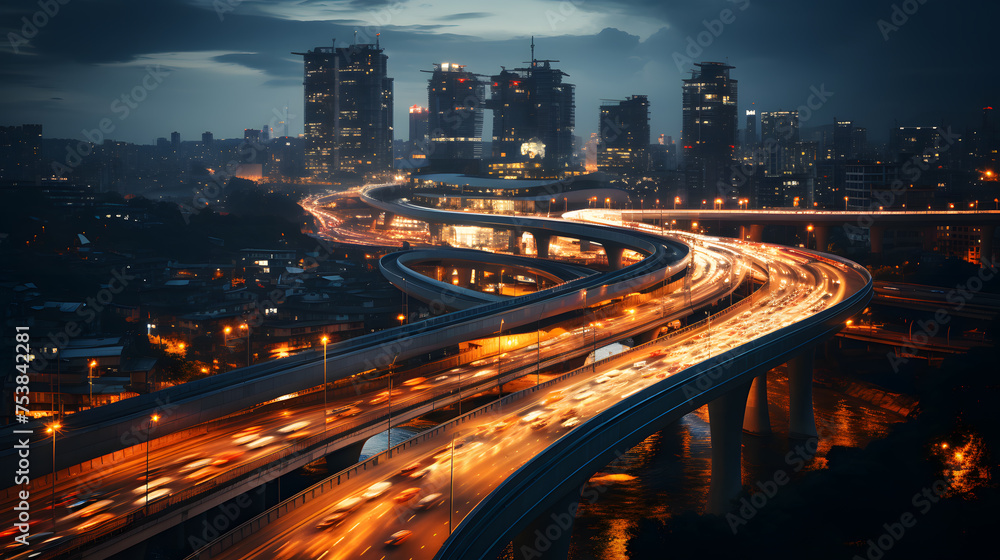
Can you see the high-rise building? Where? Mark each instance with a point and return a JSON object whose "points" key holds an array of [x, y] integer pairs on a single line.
{"points": [[709, 130], [348, 113], [533, 115], [779, 131], [864, 180], [750, 138], [175, 139], [623, 136], [21, 152], [455, 100], [251, 135], [207, 139], [418, 124]]}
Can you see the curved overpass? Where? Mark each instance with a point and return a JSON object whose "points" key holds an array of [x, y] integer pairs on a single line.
{"points": [[103, 430], [555, 476], [525, 458], [400, 265]]}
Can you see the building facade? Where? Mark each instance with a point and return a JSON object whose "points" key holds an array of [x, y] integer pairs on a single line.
{"points": [[710, 131], [623, 139], [348, 113]]}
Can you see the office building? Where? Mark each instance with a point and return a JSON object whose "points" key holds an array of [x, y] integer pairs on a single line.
{"points": [[623, 137], [455, 100], [348, 113], [533, 115], [709, 131], [750, 137], [779, 131], [418, 132]]}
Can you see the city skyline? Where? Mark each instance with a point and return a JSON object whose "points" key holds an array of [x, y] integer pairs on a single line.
{"points": [[225, 66]]}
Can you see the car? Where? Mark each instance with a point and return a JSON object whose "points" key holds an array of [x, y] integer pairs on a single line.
{"points": [[406, 495], [340, 511], [260, 442], [197, 464], [423, 472], [571, 422], [293, 427], [409, 468], [539, 424], [153, 495], [376, 490], [90, 510], [153, 484], [414, 381], [429, 501], [399, 536], [94, 521], [531, 416]]}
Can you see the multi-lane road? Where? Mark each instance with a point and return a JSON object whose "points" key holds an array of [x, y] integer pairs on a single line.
{"points": [[387, 512]]}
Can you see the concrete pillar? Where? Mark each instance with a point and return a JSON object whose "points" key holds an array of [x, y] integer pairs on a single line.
{"points": [[584, 245], [614, 254], [756, 232], [756, 419], [387, 222], [514, 242], [436, 230], [344, 457], [875, 237], [542, 242], [822, 234], [725, 418], [548, 536], [986, 245], [801, 421]]}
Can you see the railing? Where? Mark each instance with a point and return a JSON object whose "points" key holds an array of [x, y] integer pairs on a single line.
{"points": [[262, 520]]}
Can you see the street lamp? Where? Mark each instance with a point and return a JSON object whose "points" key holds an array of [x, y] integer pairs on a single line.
{"points": [[677, 200], [246, 327], [845, 204], [718, 204], [53, 429], [809, 230], [90, 378], [325, 340], [400, 318], [499, 334], [225, 336], [607, 202], [149, 427]]}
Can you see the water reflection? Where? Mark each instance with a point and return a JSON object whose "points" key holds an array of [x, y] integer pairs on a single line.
{"points": [[668, 473]]}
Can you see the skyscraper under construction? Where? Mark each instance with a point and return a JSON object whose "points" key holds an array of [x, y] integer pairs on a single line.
{"points": [[533, 114], [348, 113]]}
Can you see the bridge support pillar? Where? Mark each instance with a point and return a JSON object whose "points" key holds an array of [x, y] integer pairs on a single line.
{"points": [[875, 234], [986, 245], [756, 419], [387, 221], [614, 254], [344, 457], [822, 234], [542, 242], [584, 245], [801, 420], [548, 536], [436, 231], [514, 242], [756, 232], [725, 418]]}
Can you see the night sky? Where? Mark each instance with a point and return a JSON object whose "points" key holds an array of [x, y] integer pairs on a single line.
{"points": [[224, 74]]}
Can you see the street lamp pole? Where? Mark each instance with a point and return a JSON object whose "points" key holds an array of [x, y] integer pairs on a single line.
{"points": [[388, 427], [53, 429], [325, 340], [149, 427], [499, 335], [90, 379], [451, 492], [246, 327]]}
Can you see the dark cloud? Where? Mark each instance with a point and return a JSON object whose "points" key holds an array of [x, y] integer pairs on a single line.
{"points": [[467, 15]]}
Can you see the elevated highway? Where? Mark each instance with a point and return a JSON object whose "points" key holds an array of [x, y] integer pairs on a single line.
{"points": [[519, 462]]}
